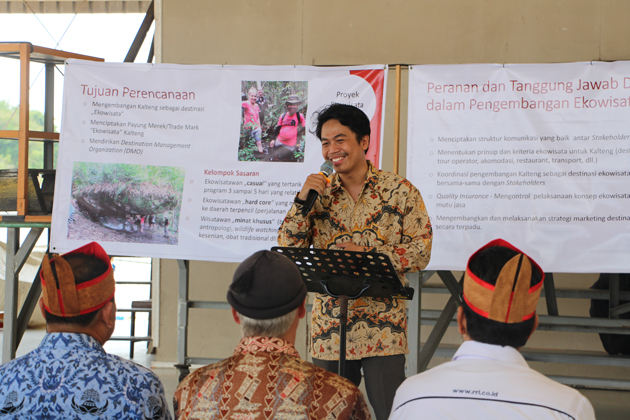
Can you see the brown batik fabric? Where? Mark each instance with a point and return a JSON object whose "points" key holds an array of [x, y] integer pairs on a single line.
{"points": [[389, 217], [266, 379]]}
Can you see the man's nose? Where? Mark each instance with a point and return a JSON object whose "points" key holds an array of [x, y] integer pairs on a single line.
{"points": [[334, 147]]}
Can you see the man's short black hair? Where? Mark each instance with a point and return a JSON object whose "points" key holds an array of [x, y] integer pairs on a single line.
{"points": [[85, 268], [348, 115], [487, 266]]}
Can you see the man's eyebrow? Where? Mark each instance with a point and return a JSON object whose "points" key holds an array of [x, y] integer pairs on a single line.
{"points": [[334, 137]]}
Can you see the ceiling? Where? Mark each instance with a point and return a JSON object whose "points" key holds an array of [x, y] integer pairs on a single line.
{"points": [[74, 6]]}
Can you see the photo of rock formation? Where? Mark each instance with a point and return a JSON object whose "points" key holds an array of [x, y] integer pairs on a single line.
{"points": [[125, 203]]}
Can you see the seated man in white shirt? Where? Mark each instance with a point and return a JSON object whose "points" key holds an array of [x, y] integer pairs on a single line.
{"points": [[488, 378]]}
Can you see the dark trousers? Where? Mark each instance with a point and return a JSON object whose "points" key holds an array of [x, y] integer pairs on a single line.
{"points": [[281, 153], [383, 376]]}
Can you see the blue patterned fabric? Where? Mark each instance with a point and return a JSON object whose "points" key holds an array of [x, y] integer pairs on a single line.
{"points": [[70, 376]]}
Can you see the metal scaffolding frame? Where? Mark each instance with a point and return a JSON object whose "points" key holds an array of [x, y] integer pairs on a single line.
{"points": [[420, 354], [16, 255], [441, 320]]}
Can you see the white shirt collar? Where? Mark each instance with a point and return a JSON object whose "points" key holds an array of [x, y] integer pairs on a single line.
{"points": [[476, 350]]}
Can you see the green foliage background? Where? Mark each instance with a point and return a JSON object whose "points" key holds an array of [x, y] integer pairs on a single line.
{"points": [[89, 173], [9, 148]]}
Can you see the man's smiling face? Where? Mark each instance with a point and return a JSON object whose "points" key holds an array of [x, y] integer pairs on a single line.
{"points": [[340, 145], [292, 108]]}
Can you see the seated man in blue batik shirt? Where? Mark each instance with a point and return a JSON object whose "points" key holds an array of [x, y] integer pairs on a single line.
{"points": [[70, 376]]}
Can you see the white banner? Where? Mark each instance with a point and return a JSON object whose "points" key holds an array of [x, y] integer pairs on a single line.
{"points": [[537, 154], [193, 162]]}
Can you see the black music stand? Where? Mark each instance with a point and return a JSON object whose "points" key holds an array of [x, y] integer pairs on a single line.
{"points": [[347, 275]]}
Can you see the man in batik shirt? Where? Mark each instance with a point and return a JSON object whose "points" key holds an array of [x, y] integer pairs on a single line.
{"points": [[69, 376], [361, 209], [265, 378]]}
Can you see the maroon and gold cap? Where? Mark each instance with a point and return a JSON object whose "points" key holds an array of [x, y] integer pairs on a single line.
{"points": [[511, 299], [66, 299]]}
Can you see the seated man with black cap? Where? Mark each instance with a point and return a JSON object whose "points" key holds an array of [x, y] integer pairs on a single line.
{"points": [[70, 376], [488, 378], [265, 378]]}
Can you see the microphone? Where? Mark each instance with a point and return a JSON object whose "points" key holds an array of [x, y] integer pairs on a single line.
{"points": [[326, 169]]}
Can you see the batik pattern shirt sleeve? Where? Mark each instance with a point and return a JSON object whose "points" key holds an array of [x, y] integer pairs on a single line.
{"points": [[389, 218], [70, 377], [266, 379]]}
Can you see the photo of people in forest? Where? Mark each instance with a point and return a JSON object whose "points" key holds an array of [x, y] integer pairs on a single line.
{"points": [[125, 203], [273, 121]]}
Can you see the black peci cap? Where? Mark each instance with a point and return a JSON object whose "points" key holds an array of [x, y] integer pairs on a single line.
{"points": [[266, 285]]}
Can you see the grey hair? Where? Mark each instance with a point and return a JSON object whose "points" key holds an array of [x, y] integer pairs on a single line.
{"points": [[274, 327]]}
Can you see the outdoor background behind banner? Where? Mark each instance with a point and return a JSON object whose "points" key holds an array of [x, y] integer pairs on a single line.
{"points": [[193, 162], [538, 155]]}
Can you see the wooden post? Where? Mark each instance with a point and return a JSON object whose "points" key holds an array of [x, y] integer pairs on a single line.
{"points": [[397, 119], [23, 135]]}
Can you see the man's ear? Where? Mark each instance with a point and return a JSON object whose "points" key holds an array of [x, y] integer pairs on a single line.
{"points": [[365, 143], [302, 310], [461, 321], [235, 316], [108, 315]]}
